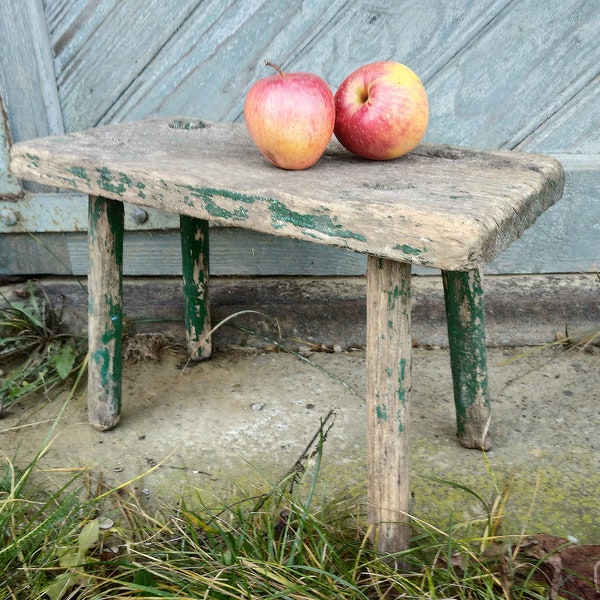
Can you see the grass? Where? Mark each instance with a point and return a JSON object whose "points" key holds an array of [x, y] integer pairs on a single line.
{"points": [[87, 542], [32, 341]]}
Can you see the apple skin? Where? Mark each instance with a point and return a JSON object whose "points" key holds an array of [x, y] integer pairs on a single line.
{"points": [[290, 118], [381, 111]]}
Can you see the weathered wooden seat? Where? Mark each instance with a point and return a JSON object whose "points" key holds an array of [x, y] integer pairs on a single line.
{"points": [[445, 207]]}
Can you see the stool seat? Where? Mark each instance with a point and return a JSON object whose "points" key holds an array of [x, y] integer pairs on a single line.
{"points": [[440, 206]]}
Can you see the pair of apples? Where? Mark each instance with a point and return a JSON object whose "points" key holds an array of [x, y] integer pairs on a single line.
{"points": [[379, 112]]}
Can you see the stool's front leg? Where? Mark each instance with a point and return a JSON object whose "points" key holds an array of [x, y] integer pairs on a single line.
{"points": [[389, 351], [466, 333], [195, 262], [105, 311]]}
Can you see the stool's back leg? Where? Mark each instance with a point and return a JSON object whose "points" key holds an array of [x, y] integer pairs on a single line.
{"points": [[195, 261], [466, 332], [105, 318], [388, 387]]}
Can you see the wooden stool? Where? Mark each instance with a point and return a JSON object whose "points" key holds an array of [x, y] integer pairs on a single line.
{"points": [[445, 207]]}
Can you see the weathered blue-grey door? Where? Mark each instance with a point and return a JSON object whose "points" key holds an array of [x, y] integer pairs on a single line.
{"points": [[516, 74]]}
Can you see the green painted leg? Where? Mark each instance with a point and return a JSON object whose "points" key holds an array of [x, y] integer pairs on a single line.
{"points": [[195, 259], [466, 332], [105, 312]]}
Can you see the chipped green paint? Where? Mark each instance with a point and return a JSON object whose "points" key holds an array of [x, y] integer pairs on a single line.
{"points": [[401, 377], [107, 183], [390, 324], [381, 412], [399, 420], [208, 195], [81, 173], [406, 249], [141, 186], [465, 316], [388, 371], [195, 269], [125, 179], [281, 214], [34, 158], [105, 231], [310, 224], [108, 356], [393, 295]]}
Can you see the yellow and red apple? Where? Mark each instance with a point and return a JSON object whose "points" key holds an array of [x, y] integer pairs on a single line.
{"points": [[290, 118], [381, 111]]}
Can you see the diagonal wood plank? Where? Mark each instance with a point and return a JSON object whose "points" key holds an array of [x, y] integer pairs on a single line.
{"points": [[101, 47], [217, 54], [571, 129], [27, 73], [424, 35], [517, 74]]}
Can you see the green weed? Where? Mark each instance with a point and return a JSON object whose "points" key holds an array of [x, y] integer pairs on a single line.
{"points": [[41, 355], [278, 544]]}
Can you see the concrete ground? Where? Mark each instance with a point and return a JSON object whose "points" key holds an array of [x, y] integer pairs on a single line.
{"points": [[244, 417]]}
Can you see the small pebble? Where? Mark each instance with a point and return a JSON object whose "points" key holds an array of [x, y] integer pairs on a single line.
{"points": [[258, 406], [337, 348], [106, 523]]}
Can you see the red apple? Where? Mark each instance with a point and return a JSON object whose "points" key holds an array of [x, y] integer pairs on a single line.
{"points": [[381, 111], [290, 117]]}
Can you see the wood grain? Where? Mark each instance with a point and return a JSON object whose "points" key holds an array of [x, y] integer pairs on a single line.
{"points": [[30, 93], [9, 185], [498, 73], [389, 363], [439, 206], [516, 74], [102, 47], [105, 314]]}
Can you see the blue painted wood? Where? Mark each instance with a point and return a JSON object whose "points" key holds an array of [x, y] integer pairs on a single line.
{"points": [[9, 185], [519, 74]]}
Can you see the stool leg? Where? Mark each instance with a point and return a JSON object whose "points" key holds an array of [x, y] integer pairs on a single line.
{"points": [[388, 387], [195, 261], [466, 333], [105, 312]]}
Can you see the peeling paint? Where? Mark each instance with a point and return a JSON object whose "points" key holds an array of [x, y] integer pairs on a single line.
{"points": [[281, 214], [401, 377], [124, 178], [381, 412], [209, 196], [34, 158], [81, 173], [393, 295], [141, 186], [106, 182], [406, 249]]}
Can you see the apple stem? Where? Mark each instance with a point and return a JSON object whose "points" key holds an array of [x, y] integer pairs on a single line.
{"points": [[277, 68]]}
